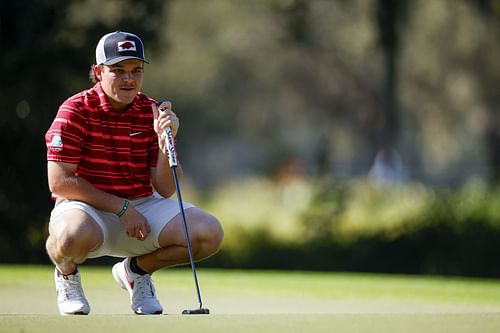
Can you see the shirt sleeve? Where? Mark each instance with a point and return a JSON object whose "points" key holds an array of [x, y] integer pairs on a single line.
{"points": [[65, 136]]}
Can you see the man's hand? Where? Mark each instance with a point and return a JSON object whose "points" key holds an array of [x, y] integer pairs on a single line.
{"points": [[164, 117], [135, 224]]}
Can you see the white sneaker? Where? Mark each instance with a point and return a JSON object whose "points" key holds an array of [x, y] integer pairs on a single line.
{"points": [[140, 287], [70, 297]]}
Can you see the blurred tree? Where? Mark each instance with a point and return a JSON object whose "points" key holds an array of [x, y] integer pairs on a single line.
{"points": [[391, 15], [390, 19], [259, 84], [297, 18], [490, 12]]}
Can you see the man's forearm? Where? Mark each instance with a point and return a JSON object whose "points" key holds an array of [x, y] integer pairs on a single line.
{"points": [[77, 188]]}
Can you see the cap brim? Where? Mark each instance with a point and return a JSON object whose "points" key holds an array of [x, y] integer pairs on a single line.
{"points": [[120, 59]]}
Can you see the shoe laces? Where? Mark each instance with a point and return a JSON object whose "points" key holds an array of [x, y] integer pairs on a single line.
{"points": [[70, 288], [144, 286]]}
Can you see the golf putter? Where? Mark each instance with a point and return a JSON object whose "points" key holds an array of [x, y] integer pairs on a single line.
{"points": [[172, 160]]}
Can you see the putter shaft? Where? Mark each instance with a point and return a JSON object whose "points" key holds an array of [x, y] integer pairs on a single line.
{"points": [[172, 159], [186, 234]]}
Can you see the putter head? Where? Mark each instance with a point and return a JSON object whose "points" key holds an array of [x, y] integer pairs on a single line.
{"points": [[196, 311]]}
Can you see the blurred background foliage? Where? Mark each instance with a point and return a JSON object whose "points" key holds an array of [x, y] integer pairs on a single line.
{"points": [[348, 135]]}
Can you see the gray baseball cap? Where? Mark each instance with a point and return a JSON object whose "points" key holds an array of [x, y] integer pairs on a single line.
{"points": [[118, 46]]}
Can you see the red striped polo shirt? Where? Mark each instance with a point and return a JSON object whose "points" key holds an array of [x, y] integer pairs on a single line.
{"points": [[113, 151]]}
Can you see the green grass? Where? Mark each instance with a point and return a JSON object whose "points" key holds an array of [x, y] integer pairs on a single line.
{"points": [[256, 301]]}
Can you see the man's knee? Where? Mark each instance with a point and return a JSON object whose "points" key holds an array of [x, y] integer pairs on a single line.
{"points": [[207, 234], [63, 243], [215, 233], [72, 233]]}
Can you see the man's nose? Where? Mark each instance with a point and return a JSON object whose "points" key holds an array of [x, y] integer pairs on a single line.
{"points": [[127, 76]]}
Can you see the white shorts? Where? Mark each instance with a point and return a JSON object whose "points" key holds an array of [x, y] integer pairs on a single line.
{"points": [[157, 210]]}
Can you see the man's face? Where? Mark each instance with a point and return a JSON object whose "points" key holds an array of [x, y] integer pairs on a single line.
{"points": [[121, 82]]}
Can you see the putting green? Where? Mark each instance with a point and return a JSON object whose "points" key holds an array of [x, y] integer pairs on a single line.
{"points": [[256, 301]]}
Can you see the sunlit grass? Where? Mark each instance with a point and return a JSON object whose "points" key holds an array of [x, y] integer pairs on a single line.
{"points": [[323, 285], [257, 301]]}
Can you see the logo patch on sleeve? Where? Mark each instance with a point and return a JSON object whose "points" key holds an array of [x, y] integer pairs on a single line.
{"points": [[56, 144]]}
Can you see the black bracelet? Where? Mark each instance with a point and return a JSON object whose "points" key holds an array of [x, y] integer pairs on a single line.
{"points": [[124, 209]]}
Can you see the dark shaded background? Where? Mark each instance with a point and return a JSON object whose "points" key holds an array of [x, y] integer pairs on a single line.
{"points": [[323, 91]]}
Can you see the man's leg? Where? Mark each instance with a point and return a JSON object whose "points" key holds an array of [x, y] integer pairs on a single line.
{"points": [[205, 234], [134, 274], [73, 234]]}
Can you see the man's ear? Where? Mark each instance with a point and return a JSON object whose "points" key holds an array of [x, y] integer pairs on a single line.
{"points": [[98, 72]]}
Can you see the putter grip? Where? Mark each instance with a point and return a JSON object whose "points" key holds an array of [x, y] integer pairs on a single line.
{"points": [[169, 140], [172, 154]]}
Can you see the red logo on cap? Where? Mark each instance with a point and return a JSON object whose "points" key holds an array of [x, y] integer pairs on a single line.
{"points": [[128, 45]]}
